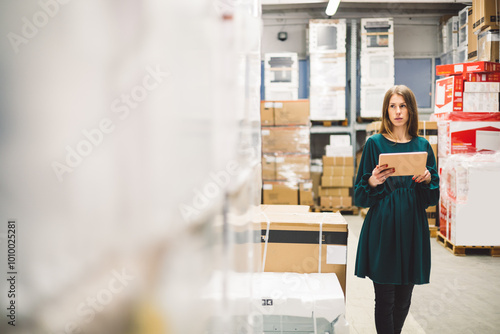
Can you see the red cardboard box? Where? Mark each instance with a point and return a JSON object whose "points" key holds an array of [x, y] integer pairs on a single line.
{"points": [[483, 77], [449, 94], [478, 66]]}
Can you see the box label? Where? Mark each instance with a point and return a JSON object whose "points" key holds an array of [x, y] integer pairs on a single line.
{"points": [[336, 254]]}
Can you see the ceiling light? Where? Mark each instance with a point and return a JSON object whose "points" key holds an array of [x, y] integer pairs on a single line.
{"points": [[332, 7]]}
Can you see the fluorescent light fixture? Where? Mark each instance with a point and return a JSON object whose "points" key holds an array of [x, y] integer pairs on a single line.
{"points": [[332, 7]]}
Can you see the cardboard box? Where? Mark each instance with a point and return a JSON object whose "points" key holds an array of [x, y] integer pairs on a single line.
{"points": [[482, 101], [291, 243], [285, 93], [285, 139], [463, 216], [335, 202], [327, 70], [280, 193], [327, 103], [291, 112], [377, 34], [472, 67], [336, 181], [327, 36], [268, 167], [431, 215], [457, 137], [486, 14], [316, 173], [448, 93], [482, 87], [471, 37], [483, 77], [373, 128], [376, 67], [372, 98], [337, 161], [281, 70], [429, 130], [279, 208], [267, 113], [337, 192], [306, 193], [293, 167], [342, 151], [338, 171], [488, 44]]}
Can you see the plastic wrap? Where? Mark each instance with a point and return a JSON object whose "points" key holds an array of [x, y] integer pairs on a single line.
{"points": [[377, 34], [468, 186], [327, 69], [377, 67], [285, 139], [326, 36], [126, 164], [327, 103]]}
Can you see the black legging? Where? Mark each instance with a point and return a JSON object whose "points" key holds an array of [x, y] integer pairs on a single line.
{"points": [[392, 303]]}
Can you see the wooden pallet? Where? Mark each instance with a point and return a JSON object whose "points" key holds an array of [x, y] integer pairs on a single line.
{"points": [[467, 250], [351, 210], [367, 119], [330, 123], [433, 230]]}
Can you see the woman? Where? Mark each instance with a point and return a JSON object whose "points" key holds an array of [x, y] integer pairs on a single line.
{"points": [[394, 244]]}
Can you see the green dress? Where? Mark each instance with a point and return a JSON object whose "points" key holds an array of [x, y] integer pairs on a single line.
{"points": [[394, 243]]}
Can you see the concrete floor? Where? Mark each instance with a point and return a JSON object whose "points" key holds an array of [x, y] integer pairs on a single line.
{"points": [[463, 296]]}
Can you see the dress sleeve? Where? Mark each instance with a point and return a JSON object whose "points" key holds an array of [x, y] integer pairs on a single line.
{"points": [[428, 193], [364, 195]]}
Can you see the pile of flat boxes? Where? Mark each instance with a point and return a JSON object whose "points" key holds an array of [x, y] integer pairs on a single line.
{"points": [[377, 64], [286, 152]]}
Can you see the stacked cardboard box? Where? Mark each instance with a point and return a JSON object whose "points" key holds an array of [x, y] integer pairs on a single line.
{"points": [[377, 64], [485, 17], [468, 118], [286, 158], [327, 59], [338, 174]]}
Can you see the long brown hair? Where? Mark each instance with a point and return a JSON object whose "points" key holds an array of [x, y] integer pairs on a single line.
{"points": [[386, 125]]}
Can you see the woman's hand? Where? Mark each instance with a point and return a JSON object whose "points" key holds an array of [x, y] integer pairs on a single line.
{"points": [[426, 177], [379, 175]]}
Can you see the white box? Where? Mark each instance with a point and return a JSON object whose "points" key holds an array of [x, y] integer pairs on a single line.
{"points": [[470, 198], [338, 151], [481, 87], [327, 36], [377, 67], [481, 102], [327, 103], [372, 98], [327, 69], [281, 94], [463, 17], [450, 35], [340, 140], [281, 69], [455, 137], [377, 34], [461, 54]]}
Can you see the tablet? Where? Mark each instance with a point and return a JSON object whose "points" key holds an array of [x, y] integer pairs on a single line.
{"points": [[410, 163]]}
